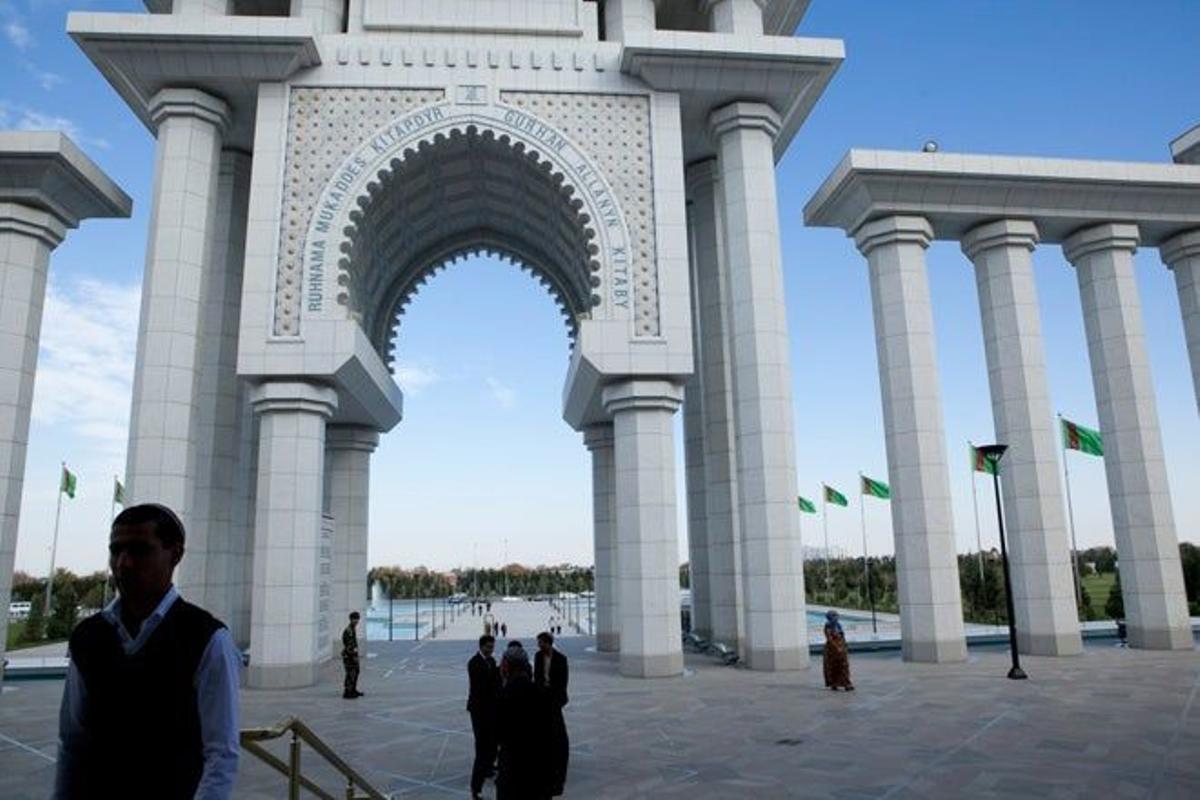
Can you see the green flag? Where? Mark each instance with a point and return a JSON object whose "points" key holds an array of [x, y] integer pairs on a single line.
{"points": [[1085, 440], [980, 462], [806, 505], [876, 488], [834, 496], [67, 484], [118, 492]]}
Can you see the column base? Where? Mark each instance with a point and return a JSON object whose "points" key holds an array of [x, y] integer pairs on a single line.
{"points": [[281, 676], [1161, 638], [665, 666], [1049, 644], [782, 660], [934, 652], [608, 642]]}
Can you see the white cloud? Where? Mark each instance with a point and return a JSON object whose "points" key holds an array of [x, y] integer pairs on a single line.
{"points": [[85, 367], [415, 378], [18, 35], [46, 79], [505, 396], [29, 119]]}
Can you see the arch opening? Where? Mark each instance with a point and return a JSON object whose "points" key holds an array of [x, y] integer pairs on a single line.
{"points": [[464, 192]]}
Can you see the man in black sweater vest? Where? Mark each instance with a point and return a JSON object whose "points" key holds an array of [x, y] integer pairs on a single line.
{"points": [[150, 704], [482, 695]]}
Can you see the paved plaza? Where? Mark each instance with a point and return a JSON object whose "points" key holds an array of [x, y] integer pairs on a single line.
{"points": [[1110, 723]]}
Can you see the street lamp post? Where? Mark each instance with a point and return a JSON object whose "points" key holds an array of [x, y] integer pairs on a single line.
{"points": [[993, 453]]}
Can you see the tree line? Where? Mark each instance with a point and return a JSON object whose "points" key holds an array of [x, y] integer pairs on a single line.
{"points": [[523, 581]]}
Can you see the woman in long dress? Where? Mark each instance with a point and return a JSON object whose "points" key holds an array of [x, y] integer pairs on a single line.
{"points": [[837, 657]]}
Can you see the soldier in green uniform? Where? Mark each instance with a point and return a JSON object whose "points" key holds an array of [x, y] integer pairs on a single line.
{"points": [[350, 658]]}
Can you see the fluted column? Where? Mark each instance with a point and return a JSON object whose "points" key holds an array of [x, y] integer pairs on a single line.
{"points": [[599, 441], [27, 237], [348, 450], [647, 540], [1039, 548], [1182, 255], [164, 421], [734, 16], [622, 17], [713, 364], [1143, 522], [774, 625], [285, 616], [931, 624]]}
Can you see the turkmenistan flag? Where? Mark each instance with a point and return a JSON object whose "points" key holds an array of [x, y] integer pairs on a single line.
{"points": [[118, 492], [806, 505], [1085, 440], [876, 488], [834, 496], [67, 484], [980, 462]]}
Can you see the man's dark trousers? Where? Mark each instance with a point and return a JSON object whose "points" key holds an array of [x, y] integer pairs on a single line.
{"points": [[483, 724]]}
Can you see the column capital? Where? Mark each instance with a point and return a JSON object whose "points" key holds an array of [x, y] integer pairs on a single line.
{"points": [[641, 393], [700, 175], [1109, 236], [1179, 247], [742, 115], [34, 222], [168, 103], [892, 230], [706, 6], [351, 437], [1000, 233], [276, 396], [599, 436]]}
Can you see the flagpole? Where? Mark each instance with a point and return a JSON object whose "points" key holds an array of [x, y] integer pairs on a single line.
{"points": [[862, 510], [1071, 519], [825, 524], [54, 543], [975, 505]]}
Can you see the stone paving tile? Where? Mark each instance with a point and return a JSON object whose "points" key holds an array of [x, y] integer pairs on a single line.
{"points": [[1112, 723]]}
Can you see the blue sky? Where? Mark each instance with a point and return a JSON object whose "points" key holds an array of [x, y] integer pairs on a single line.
{"points": [[483, 455]]}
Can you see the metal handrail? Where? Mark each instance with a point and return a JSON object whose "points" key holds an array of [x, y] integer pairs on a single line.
{"points": [[290, 769]]}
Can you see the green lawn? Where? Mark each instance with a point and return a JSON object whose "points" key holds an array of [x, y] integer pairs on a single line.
{"points": [[1098, 587], [15, 629]]}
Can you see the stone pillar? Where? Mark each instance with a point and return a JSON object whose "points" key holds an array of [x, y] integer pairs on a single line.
{"points": [[625, 16], [599, 440], [164, 421], [1039, 547], [774, 627], [734, 16], [202, 8], [326, 15], [647, 542], [931, 624], [212, 574], [713, 363], [693, 459], [1182, 255], [1143, 521], [348, 451], [285, 612], [27, 236]]}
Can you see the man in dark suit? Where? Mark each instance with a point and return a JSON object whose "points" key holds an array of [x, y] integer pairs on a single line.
{"points": [[550, 674], [482, 698]]}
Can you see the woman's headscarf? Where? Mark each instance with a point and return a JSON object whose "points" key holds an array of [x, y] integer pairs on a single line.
{"points": [[831, 620]]}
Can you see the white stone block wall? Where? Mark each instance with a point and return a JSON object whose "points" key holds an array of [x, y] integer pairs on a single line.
{"points": [[694, 469], [27, 236], [285, 618], [163, 431], [1039, 546], [1138, 489], [606, 583], [1182, 254], [774, 628], [622, 17], [647, 539], [326, 15], [713, 364], [931, 624], [734, 16], [348, 470]]}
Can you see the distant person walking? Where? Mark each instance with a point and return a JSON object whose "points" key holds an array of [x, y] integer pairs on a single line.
{"points": [[837, 656], [551, 674], [525, 722], [350, 659], [483, 697], [150, 704], [504, 629]]}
